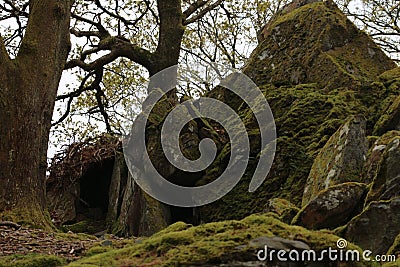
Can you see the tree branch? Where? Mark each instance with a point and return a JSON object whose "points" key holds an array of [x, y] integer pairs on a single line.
{"points": [[119, 48], [103, 33], [194, 7], [202, 13], [15, 10]]}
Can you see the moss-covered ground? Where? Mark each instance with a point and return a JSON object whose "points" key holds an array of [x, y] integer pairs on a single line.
{"points": [[220, 242]]}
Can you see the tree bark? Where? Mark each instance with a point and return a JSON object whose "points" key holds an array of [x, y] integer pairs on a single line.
{"points": [[28, 91]]}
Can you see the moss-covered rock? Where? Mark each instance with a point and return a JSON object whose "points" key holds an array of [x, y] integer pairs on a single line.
{"points": [[212, 244], [374, 157], [386, 183], [316, 69], [341, 160], [333, 207], [285, 210], [376, 227], [395, 248], [316, 43]]}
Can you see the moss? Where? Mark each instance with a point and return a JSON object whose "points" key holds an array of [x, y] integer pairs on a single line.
{"points": [[306, 117], [392, 264], [390, 119], [390, 75], [29, 217], [395, 248], [31, 260], [182, 244], [79, 227], [97, 250], [283, 208]]}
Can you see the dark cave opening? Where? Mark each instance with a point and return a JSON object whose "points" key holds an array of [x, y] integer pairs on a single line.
{"points": [[94, 189]]}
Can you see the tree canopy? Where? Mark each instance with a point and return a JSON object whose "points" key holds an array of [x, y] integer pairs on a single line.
{"points": [[118, 44]]}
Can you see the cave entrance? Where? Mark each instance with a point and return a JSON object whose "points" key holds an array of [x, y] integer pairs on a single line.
{"points": [[92, 204]]}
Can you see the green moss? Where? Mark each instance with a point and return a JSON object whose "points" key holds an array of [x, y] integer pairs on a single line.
{"points": [[390, 118], [33, 217], [79, 227], [97, 250], [395, 248], [390, 75], [31, 260], [283, 208], [392, 264], [181, 244]]}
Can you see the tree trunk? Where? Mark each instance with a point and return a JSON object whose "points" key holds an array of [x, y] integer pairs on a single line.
{"points": [[28, 90]]}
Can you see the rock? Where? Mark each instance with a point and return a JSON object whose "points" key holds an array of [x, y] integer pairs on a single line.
{"points": [[390, 117], [227, 243], [138, 214], [375, 153], [278, 243], [386, 183], [315, 43], [332, 207], [314, 70], [390, 120], [283, 208], [341, 160], [61, 199], [376, 227]]}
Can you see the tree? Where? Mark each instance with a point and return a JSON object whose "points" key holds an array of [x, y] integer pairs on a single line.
{"points": [[30, 82], [215, 32], [28, 90], [381, 19], [222, 32]]}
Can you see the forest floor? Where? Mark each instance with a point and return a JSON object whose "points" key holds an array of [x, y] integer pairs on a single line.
{"points": [[69, 246]]}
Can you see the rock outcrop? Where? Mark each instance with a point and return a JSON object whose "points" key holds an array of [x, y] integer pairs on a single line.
{"points": [[341, 160], [316, 69], [330, 89]]}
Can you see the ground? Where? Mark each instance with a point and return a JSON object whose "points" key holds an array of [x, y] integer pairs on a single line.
{"points": [[35, 247]]}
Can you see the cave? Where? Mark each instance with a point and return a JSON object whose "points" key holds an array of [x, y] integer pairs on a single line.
{"points": [[92, 203]]}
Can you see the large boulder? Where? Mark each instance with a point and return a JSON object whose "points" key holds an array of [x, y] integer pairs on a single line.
{"points": [[332, 207], [316, 43], [376, 227], [375, 154], [386, 183], [341, 160]]}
